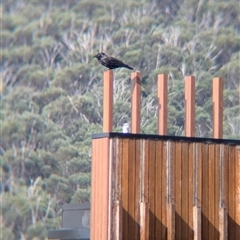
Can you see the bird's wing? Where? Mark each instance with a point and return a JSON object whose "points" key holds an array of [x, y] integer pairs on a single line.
{"points": [[115, 62]]}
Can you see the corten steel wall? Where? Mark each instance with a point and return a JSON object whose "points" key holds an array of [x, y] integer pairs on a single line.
{"points": [[163, 187]]}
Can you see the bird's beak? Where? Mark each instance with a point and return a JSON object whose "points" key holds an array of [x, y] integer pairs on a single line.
{"points": [[95, 56]]}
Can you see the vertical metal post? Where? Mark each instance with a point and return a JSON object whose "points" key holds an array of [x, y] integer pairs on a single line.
{"points": [[217, 98], [162, 103], [107, 101], [136, 101], [190, 106]]}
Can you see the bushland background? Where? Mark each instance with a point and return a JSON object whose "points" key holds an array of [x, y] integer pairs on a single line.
{"points": [[51, 89]]}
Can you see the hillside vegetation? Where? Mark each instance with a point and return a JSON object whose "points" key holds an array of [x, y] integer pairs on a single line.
{"points": [[52, 89]]}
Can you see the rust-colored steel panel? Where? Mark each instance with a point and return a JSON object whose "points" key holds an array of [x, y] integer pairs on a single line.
{"points": [[190, 106], [136, 101], [162, 103], [217, 98], [107, 101]]}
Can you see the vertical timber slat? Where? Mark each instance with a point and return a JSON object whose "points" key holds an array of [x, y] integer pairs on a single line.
{"points": [[231, 194], [93, 183], [109, 191], [136, 101], [125, 186], [162, 103], [137, 189], [205, 191], [197, 223], [118, 185], [144, 221], [171, 221], [190, 106], [107, 101], [105, 188], [217, 97], [237, 187], [198, 175], [223, 224], [100, 190], [145, 186], [158, 182], [185, 190], [118, 220], [170, 190], [151, 186], [178, 187], [223, 216], [197, 185], [131, 187], [211, 208], [164, 192], [191, 189], [164, 189], [216, 190]]}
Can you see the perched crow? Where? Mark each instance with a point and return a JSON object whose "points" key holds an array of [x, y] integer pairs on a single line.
{"points": [[110, 62]]}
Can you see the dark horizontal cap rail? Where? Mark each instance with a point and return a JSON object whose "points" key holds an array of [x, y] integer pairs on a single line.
{"points": [[162, 137]]}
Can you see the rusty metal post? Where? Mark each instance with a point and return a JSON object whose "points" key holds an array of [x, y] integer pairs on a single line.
{"points": [[190, 106], [107, 101], [162, 103], [136, 101], [217, 98]]}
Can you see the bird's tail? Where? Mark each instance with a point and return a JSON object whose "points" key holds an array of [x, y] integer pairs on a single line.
{"points": [[127, 66]]}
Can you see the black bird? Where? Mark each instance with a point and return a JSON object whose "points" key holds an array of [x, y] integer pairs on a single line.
{"points": [[110, 62]]}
